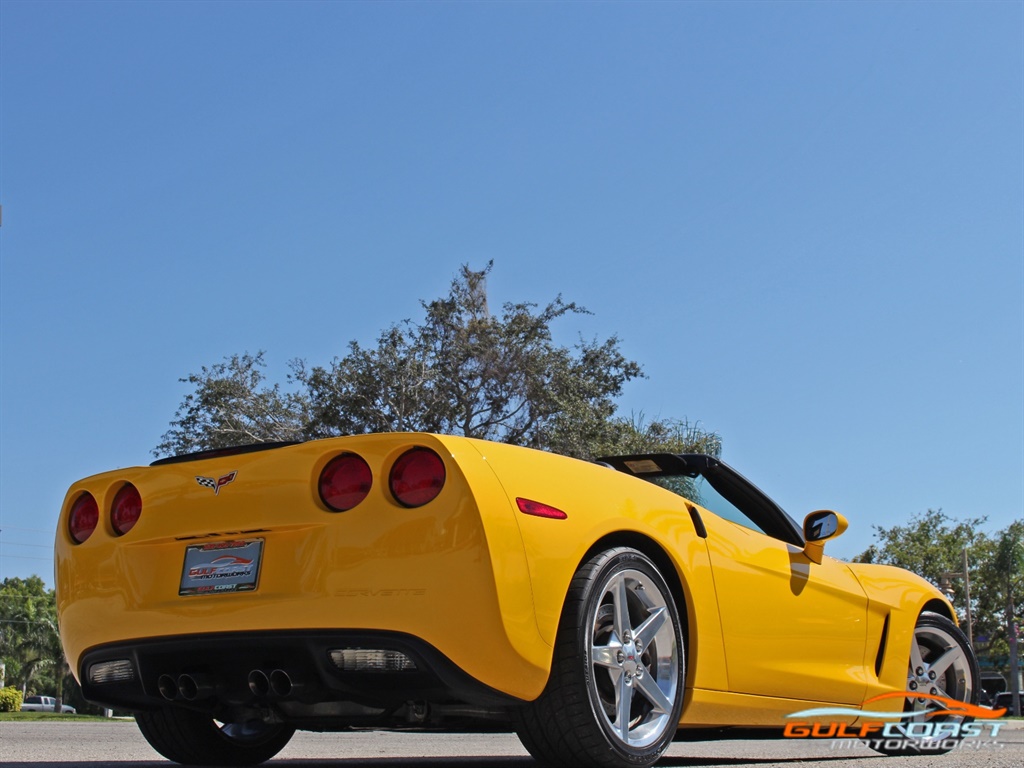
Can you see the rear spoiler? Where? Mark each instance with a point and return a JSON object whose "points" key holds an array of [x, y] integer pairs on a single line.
{"points": [[216, 453]]}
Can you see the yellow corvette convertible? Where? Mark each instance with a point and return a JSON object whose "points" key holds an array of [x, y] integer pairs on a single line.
{"points": [[601, 609]]}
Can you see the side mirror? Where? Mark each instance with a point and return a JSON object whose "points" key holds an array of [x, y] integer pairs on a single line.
{"points": [[819, 527]]}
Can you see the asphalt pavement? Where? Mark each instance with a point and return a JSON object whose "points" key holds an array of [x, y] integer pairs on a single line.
{"points": [[118, 744]]}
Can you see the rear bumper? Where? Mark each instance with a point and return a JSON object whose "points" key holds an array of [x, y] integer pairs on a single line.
{"points": [[225, 670]]}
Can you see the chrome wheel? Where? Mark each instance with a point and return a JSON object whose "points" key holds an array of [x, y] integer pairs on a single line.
{"points": [[939, 666], [635, 658], [615, 692]]}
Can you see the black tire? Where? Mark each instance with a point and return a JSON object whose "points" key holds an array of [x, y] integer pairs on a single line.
{"points": [[941, 663], [616, 600], [192, 738]]}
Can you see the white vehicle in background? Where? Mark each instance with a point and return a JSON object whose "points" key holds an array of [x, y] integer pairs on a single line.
{"points": [[45, 704]]}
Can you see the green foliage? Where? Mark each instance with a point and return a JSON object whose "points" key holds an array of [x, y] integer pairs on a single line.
{"points": [[51, 717], [1002, 573], [637, 435], [230, 406], [929, 545], [29, 641], [1007, 560], [10, 699], [465, 371], [460, 370]]}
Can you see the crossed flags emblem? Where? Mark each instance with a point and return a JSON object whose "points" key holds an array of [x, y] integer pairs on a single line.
{"points": [[215, 484]]}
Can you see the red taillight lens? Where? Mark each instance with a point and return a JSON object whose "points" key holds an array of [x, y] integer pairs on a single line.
{"points": [[345, 482], [126, 509], [417, 477], [84, 517]]}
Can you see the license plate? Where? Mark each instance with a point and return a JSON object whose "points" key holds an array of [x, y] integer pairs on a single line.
{"points": [[219, 567]]}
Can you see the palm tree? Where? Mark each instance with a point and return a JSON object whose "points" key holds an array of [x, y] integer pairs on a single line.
{"points": [[29, 639]]}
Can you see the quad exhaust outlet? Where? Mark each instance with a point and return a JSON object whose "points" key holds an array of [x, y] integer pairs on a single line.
{"points": [[191, 686]]}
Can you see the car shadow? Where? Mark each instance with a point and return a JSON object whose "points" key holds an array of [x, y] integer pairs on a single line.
{"points": [[449, 762]]}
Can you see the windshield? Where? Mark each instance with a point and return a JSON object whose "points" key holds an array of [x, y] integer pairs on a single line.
{"points": [[699, 491]]}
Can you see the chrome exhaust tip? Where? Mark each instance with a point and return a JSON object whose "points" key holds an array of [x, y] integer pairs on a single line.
{"points": [[259, 683], [280, 683], [168, 687], [192, 687]]}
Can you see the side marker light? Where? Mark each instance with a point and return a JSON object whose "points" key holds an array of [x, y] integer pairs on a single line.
{"points": [[535, 508]]}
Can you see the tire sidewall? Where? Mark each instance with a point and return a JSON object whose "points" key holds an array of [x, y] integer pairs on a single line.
{"points": [[607, 564], [938, 621]]}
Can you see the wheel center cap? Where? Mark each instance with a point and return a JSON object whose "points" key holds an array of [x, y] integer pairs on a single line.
{"points": [[631, 662]]}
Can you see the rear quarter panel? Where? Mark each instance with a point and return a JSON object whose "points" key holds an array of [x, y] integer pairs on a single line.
{"points": [[602, 505]]}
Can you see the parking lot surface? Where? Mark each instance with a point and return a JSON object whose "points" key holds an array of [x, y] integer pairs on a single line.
{"points": [[119, 744]]}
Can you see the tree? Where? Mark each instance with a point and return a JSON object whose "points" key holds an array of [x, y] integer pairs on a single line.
{"points": [[465, 371], [29, 641], [30, 644], [1003, 575], [460, 370], [637, 435], [930, 545], [230, 406]]}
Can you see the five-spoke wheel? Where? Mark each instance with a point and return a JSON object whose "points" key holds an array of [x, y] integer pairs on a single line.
{"points": [[942, 667], [616, 686]]}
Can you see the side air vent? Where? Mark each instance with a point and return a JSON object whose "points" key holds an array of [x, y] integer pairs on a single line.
{"points": [[881, 646]]}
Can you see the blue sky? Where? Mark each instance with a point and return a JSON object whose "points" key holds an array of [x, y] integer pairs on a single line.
{"points": [[803, 219]]}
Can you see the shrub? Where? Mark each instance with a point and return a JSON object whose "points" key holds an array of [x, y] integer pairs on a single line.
{"points": [[10, 699]]}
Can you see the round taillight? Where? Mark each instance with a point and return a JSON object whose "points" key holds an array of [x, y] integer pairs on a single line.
{"points": [[126, 509], [417, 477], [84, 517], [345, 482]]}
